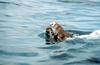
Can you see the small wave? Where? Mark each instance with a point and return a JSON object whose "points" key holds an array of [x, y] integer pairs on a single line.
{"points": [[61, 56], [50, 47], [93, 35], [94, 60], [87, 61], [22, 64], [4, 2], [26, 54], [79, 1], [70, 1], [7, 2]]}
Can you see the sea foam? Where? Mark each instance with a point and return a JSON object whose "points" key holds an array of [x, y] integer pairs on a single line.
{"points": [[93, 35]]}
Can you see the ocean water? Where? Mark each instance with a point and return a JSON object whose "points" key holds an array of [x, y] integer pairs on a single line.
{"points": [[22, 23]]}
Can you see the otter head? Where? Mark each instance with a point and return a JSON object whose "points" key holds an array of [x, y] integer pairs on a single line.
{"points": [[55, 33]]}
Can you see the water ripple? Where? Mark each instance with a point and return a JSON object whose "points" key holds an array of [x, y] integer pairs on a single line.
{"points": [[49, 47], [26, 54], [22, 64], [75, 50], [94, 60], [6, 2], [86, 61], [61, 56]]}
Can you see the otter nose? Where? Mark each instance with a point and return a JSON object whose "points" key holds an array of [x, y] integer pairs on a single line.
{"points": [[47, 32], [49, 43], [47, 36]]}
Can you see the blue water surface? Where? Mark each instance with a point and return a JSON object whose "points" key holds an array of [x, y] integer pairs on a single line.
{"points": [[22, 23]]}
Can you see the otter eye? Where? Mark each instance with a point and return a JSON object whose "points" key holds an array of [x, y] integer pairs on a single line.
{"points": [[52, 25]]}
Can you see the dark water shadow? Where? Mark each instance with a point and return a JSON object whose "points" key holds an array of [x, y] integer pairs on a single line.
{"points": [[70, 1], [89, 61], [7, 2], [49, 47], [93, 60], [26, 54], [42, 35], [61, 56], [22, 64], [78, 32], [14, 3], [4, 2], [76, 50], [42, 60]]}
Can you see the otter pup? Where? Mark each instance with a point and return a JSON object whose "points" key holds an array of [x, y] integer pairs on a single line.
{"points": [[55, 33]]}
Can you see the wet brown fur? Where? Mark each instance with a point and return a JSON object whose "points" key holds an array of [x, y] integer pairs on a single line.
{"points": [[61, 34]]}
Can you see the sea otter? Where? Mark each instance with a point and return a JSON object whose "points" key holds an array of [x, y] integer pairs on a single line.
{"points": [[55, 33]]}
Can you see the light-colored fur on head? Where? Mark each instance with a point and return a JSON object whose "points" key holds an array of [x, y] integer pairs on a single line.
{"points": [[53, 23]]}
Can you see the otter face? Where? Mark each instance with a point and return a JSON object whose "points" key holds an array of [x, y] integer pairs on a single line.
{"points": [[49, 36]]}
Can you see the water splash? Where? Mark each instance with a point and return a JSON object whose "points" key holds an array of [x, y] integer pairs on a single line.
{"points": [[94, 35]]}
